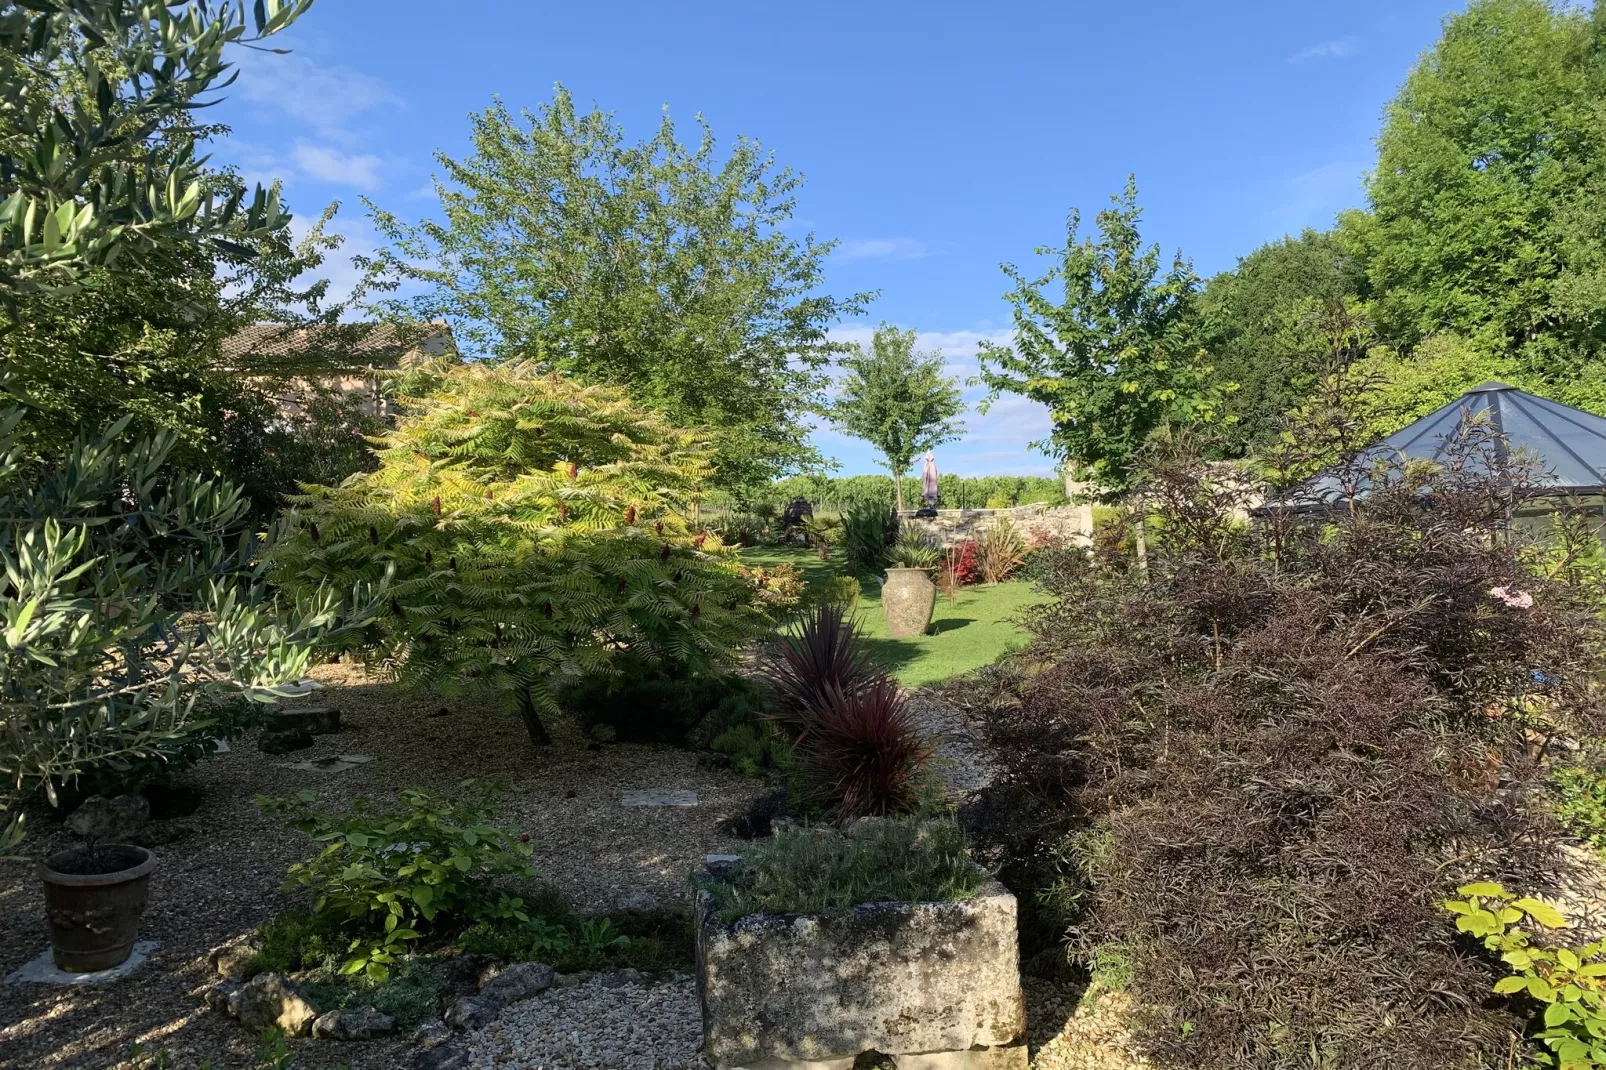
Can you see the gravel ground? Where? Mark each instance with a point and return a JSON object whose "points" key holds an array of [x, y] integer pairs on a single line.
{"points": [[220, 870], [653, 1027]]}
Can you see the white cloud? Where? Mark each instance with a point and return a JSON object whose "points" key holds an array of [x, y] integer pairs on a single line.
{"points": [[994, 443], [324, 98], [331, 165], [883, 249], [1341, 48]]}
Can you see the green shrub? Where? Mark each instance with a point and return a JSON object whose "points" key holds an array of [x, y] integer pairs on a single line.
{"points": [[1579, 797], [823, 870], [384, 879], [1000, 501], [656, 942], [915, 548], [739, 529], [166, 758], [839, 591], [867, 531], [410, 994], [646, 703], [1565, 982]]}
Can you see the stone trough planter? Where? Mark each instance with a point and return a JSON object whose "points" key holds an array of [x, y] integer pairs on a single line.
{"points": [[935, 986]]}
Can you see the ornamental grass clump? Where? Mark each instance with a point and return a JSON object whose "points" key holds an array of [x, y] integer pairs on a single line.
{"points": [[827, 871], [1256, 766]]}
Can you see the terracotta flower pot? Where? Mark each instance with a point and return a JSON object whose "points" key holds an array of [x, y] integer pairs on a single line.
{"points": [[93, 902], [908, 599]]}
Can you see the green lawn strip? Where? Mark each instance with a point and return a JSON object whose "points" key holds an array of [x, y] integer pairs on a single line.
{"points": [[978, 627]]}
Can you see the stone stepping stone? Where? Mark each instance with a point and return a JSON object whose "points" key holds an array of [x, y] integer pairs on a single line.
{"points": [[42, 970], [658, 797], [338, 763]]}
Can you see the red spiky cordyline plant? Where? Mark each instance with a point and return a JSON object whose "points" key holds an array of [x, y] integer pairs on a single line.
{"points": [[857, 749]]}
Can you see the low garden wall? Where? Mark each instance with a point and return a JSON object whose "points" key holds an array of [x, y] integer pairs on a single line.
{"points": [[953, 526]]}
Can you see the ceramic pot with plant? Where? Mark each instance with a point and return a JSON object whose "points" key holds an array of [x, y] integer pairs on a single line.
{"points": [[95, 894]]}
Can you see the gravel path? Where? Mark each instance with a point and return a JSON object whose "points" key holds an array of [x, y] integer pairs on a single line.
{"points": [[219, 871], [652, 1027]]}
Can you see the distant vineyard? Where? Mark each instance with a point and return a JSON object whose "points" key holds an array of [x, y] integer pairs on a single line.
{"points": [[958, 492]]}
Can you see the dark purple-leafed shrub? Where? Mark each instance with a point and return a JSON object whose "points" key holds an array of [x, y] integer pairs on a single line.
{"points": [[1253, 770]]}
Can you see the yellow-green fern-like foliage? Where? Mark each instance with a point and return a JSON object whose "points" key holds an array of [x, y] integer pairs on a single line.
{"points": [[538, 528]]}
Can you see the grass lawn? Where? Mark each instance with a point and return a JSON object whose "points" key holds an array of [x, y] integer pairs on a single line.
{"points": [[970, 633]]}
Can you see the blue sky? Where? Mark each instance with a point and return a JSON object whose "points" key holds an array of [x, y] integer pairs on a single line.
{"points": [[938, 139]]}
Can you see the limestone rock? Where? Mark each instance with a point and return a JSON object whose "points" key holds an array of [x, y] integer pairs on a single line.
{"points": [[266, 1000], [515, 983], [361, 1023], [469, 1013], [221, 996], [114, 820], [903, 979], [431, 1033], [229, 961]]}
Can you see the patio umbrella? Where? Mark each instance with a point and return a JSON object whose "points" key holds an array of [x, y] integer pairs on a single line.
{"points": [[928, 482]]}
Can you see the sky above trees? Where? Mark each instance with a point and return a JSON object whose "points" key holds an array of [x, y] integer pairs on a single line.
{"points": [[937, 139]]}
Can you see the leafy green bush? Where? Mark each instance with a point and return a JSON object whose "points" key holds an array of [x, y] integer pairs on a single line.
{"points": [[839, 591], [1566, 982], [1579, 796], [384, 879], [867, 531], [824, 870], [166, 758], [409, 994], [647, 703], [740, 529]]}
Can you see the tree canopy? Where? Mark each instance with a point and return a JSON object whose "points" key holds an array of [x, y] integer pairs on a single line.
{"points": [[536, 528], [1118, 355], [659, 267], [897, 400]]}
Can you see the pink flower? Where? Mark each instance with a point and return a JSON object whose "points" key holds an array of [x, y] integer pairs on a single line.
{"points": [[1514, 599]]}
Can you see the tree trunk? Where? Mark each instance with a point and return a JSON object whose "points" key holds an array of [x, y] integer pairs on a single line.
{"points": [[897, 491], [532, 720]]}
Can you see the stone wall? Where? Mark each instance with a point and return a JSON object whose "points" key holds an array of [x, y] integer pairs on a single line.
{"points": [[953, 526]]}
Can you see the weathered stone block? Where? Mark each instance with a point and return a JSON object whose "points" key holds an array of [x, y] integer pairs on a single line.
{"points": [[267, 1000], [901, 979]]}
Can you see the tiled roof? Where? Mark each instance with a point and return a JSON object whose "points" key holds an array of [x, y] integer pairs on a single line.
{"points": [[379, 344]]}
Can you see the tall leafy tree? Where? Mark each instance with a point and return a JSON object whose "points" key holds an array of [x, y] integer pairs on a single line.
{"points": [[660, 267], [1481, 166], [1116, 355], [897, 400], [1264, 332]]}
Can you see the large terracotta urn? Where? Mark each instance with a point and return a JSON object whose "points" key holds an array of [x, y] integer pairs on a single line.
{"points": [[907, 599]]}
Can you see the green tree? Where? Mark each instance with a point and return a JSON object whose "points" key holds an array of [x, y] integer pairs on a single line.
{"points": [[658, 267], [1477, 198], [85, 85], [1264, 331], [1117, 356], [897, 400], [536, 528]]}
